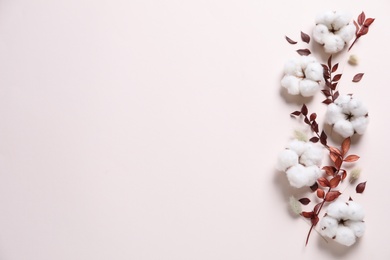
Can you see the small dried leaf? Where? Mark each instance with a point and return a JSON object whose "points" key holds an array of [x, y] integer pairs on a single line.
{"points": [[345, 146], [317, 207], [357, 77], [368, 21], [313, 116], [363, 31], [343, 175], [338, 163], [356, 28], [314, 187], [314, 126], [307, 214], [351, 158], [361, 187], [327, 101], [333, 86], [314, 220], [329, 170], [332, 195], [296, 113], [335, 150], [334, 182], [330, 61], [304, 201], [361, 18], [320, 193], [304, 52], [304, 110], [326, 92], [337, 77], [350, 198], [306, 120], [290, 41], [323, 182], [334, 68], [335, 95], [314, 139], [305, 37], [323, 138]]}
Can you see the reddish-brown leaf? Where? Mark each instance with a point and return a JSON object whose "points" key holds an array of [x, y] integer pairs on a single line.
{"points": [[345, 146], [327, 101], [363, 31], [357, 77], [335, 95], [335, 150], [317, 207], [356, 28], [290, 41], [320, 193], [337, 77], [305, 37], [343, 174], [334, 68], [332, 195], [329, 170], [296, 113], [330, 61], [351, 158], [334, 182], [326, 92], [323, 182], [314, 139], [314, 220], [368, 21], [323, 138], [314, 187], [361, 187], [304, 201], [304, 110], [338, 163], [304, 52], [313, 116], [361, 18], [307, 214]]}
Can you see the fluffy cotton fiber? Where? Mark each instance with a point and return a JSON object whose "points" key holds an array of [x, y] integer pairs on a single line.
{"points": [[302, 76], [343, 222], [301, 161], [333, 30], [347, 115]]}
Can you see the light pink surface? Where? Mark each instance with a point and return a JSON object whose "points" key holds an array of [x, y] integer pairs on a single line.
{"points": [[150, 129]]}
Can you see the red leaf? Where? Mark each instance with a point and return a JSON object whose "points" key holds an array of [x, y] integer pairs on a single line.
{"points": [[356, 27], [314, 139], [323, 138], [332, 195], [304, 110], [330, 61], [337, 77], [357, 77], [314, 187], [307, 214], [320, 193], [304, 201], [296, 113], [314, 220], [313, 116], [351, 158], [335, 150], [323, 182], [329, 170], [368, 21], [304, 52], [338, 163], [334, 68], [361, 187], [343, 174], [327, 101], [361, 18], [345, 146], [363, 31], [335, 95], [290, 41], [305, 37], [334, 182], [317, 207]]}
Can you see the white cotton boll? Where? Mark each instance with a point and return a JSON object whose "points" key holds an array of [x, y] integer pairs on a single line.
{"points": [[333, 114], [344, 128], [358, 227], [297, 146], [314, 71], [345, 236], [304, 61], [328, 226], [326, 17], [291, 83], [292, 67], [357, 108], [308, 88], [341, 19], [355, 211], [286, 159], [312, 155], [297, 176], [360, 124], [312, 174], [333, 43], [320, 32], [346, 33], [343, 100], [338, 209]]}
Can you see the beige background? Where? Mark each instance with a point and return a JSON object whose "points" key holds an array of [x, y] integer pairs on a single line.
{"points": [[150, 129]]}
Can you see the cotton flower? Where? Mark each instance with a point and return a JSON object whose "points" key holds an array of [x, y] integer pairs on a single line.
{"points": [[343, 222], [333, 30], [302, 76], [300, 161], [347, 115]]}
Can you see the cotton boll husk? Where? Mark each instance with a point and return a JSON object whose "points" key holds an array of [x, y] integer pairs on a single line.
{"points": [[312, 155], [314, 71], [297, 146], [328, 226], [308, 88], [286, 159], [355, 211], [333, 43], [291, 83], [320, 32], [338, 209], [345, 236], [297, 176], [360, 124], [341, 19], [293, 67], [347, 32], [344, 128], [358, 227], [333, 114], [326, 18]]}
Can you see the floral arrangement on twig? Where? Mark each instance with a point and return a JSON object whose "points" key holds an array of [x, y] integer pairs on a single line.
{"points": [[302, 161]]}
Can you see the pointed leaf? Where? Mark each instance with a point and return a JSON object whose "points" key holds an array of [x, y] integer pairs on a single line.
{"points": [[351, 158], [345, 146], [320, 194], [334, 182], [304, 201], [361, 18], [343, 174], [332, 195], [314, 220], [305, 37], [337, 77], [314, 139], [307, 214], [323, 182], [357, 77], [362, 31], [290, 41], [330, 61], [317, 207], [304, 52], [334, 68], [304, 110], [368, 21], [335, 95], [314, 187], [296, 113], [361, 187], [335, 150], [327, 101], [329, 170], [323, 138], [338, 163]]}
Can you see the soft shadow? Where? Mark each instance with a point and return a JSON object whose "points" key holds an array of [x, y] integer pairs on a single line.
{"points": [[337, 138], [294, 99], [334, 249], [318, 49]]}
